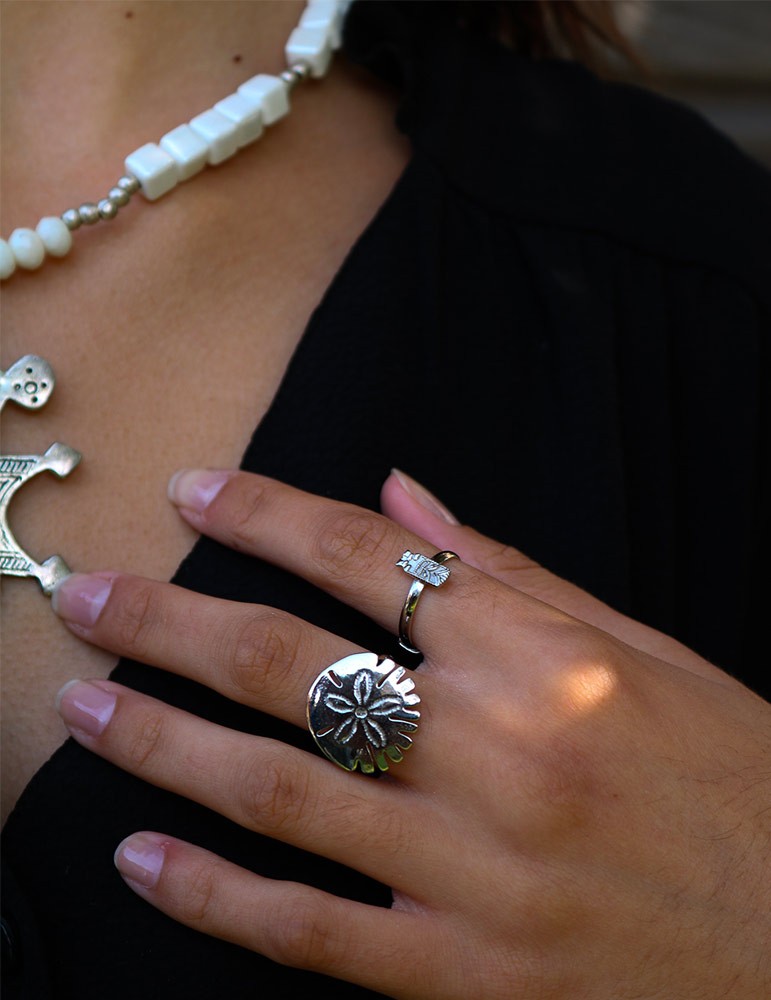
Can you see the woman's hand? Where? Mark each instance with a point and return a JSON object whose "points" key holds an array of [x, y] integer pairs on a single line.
{"points": [[586, 812]]}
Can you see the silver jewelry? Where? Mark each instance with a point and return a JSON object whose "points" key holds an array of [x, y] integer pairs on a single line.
{"points": [[208, 138], [361, 712], [29, 382], [154, 169], [425, 571]]}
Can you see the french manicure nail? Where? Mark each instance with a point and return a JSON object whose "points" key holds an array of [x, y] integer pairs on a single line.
{"points": [[85, 707], [140, 858], [424, 498], [196, 488], [80, 598]]}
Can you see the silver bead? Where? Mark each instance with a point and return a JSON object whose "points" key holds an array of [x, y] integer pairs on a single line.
{"points": [[296, 73], [107, 210], [89, 213], [118, 196], [128, 183], [71, 218], [301, 69]]}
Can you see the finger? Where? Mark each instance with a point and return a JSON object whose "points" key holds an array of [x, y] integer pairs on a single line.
{"points": [[261, 784], [259, 656], [351, 553], [289, 923], [409, 503]]}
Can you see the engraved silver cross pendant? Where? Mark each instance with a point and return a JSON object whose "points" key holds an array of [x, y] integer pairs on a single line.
{"points": [[29, 382]]}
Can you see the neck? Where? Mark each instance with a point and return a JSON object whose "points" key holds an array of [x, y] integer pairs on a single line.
{"points": [[122, 73]]}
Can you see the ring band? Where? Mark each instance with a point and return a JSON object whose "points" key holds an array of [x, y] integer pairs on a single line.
{"points": [[361, 711], [425, 570]]}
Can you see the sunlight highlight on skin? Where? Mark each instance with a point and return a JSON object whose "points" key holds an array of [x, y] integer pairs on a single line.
{"points": [[551, 701], [585, 686]]}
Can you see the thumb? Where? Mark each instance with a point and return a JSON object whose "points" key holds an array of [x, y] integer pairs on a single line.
{"points": [[410, 504]]}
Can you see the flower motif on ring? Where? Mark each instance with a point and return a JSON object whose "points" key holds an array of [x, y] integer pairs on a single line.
{"points": [[364, 710]]}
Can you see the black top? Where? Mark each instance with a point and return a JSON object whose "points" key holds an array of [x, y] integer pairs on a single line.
{"points": [[576, 278]]}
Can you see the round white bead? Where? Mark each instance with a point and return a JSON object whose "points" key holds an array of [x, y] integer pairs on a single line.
{"points": [[56, 237], [7, 261], [28, 248]]}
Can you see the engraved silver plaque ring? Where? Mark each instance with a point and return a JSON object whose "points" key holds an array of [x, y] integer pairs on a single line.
{"points": [[362, 712], [424, 571]]}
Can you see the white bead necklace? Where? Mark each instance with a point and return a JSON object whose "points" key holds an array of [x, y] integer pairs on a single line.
{"points": [[154, 169], [209, 138]]}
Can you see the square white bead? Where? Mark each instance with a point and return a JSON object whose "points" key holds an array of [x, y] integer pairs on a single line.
{"points": [[319, 12], [155, 170], [188, 150], [271, 93], [219, 132], [311, 45], [326, 14], [245, 112]]}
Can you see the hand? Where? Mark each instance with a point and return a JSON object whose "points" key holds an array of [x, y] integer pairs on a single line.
{"points": [[586, 811]]}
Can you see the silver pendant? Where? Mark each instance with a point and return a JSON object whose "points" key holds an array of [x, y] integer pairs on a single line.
{"points": [[29, 382]]}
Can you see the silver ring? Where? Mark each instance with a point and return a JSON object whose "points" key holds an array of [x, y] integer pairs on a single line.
{"points": [[361, 712], [425, 571]]}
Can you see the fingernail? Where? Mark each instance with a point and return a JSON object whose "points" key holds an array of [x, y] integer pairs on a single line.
{"points": [[423, 497], [140, 858], [80, 598], [85, 707], [196, 488]]}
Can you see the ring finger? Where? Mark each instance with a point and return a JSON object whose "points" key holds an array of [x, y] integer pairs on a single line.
{"points": [[259, 656]]}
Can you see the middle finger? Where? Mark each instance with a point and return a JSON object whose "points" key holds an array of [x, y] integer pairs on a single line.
{"points": [[350, 552], [256, 655]]}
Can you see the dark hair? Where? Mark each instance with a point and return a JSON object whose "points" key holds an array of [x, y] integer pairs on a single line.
{"points": [[585, 30]]}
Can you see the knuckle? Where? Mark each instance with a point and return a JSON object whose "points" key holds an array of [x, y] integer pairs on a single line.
{"points": [[572, 764], [145, 743], [350, 542], [360, 816], [245, 510], [265, 650], [275, 796], [302, 933], [504, 559], [133, 618], [577, 645], [197, 895]]}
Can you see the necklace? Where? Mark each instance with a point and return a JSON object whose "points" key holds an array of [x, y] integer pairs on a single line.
{"points": [[209, 138], [153, 169]]}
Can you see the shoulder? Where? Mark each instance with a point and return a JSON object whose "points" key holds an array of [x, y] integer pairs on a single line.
{"points": [[549, 142]]}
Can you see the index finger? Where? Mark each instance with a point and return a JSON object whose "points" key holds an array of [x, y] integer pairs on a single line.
{"points": [[348, 551]]}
